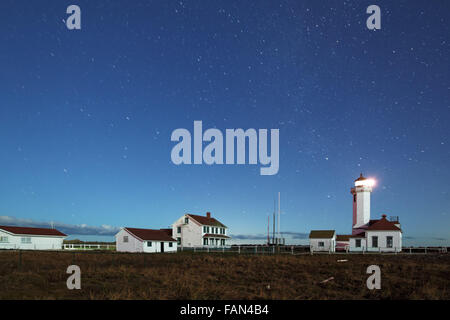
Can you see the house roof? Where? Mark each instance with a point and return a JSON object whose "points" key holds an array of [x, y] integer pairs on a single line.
{"points": [[342, 237], [321, 234], [33, 231], [210, 235], [206, 221], [358, 235], [168, 231], [382, 225], [150, 234]]}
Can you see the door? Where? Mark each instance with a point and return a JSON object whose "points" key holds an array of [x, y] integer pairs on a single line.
{"points": [[162, 246]]}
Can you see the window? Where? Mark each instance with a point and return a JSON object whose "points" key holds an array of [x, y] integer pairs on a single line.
{"points": [[4, 239], [374, 242], [125, 238], [179, 230], [26, 240], [170, 244], [178, 241], [354, 198], [389, 241], [149, 243], [205, 229], [205, 242], [321, 244], [222, 242], [358, 243], [186, 220], [217, 230]]}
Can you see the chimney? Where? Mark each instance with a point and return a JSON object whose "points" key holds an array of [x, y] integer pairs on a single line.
{"points": [[208, 214], [383, 216]]}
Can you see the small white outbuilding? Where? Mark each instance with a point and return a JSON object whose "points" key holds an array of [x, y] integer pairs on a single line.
{"points": [[145, 240], [322, 240], [25, 238]]}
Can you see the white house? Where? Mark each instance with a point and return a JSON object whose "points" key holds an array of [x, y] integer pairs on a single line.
{"points": [[322, 240], [378, 236], [145, 240], [26, 238], [194, 231]]}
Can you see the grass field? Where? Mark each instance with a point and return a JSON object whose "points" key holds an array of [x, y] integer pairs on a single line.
{"points": [[187, 275]]}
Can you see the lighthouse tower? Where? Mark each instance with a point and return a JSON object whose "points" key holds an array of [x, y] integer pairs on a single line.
{"points": [[361, 202]]}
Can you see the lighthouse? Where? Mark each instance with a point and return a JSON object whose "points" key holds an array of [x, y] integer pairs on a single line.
{"points": [[361, 202]]}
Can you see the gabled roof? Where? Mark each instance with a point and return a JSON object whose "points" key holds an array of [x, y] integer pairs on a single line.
{"points": [[33, 231], [321, 234], [382, 225], [168, 231], [358, 235], [150, 234], [206, 221], [342, 237]]}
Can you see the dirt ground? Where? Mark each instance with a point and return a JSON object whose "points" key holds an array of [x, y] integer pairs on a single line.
{"points": [[188, 275]]}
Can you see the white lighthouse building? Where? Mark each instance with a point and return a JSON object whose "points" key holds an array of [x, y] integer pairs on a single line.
{"points": [[376, 235], [368, 235], [361, 203]]}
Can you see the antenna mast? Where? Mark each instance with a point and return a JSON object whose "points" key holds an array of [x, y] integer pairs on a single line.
{"points": [[279, 216], [273, 230]]}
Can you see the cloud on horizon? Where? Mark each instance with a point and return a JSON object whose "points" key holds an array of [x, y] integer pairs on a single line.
{"points": [[260, 236], [69, 229]]}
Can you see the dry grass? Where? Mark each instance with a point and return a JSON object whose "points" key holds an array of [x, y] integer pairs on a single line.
{"points": [[42, 275]]}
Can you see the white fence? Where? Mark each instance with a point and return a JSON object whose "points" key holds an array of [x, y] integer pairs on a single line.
{"points": [[87, 246], [296, 249]]}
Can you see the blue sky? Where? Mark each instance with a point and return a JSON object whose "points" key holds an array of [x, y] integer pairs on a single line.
{"points": [[86, 115]]}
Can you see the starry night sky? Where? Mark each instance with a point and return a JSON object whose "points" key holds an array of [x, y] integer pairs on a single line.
{"points": [[86, 116]]}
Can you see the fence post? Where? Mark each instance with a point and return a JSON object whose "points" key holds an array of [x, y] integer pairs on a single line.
{"points": [[292, 250], [256, 249], [239, 249]]}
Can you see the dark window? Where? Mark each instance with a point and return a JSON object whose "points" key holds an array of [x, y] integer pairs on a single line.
{"points": [[374, 242], [125, 238], [358, 243], [179, 240], [354, 198], [186, 220], [149, 243], [179, 230], [170, 244], [389, 241], [222, 242], [321, 244], [205, 241]]}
